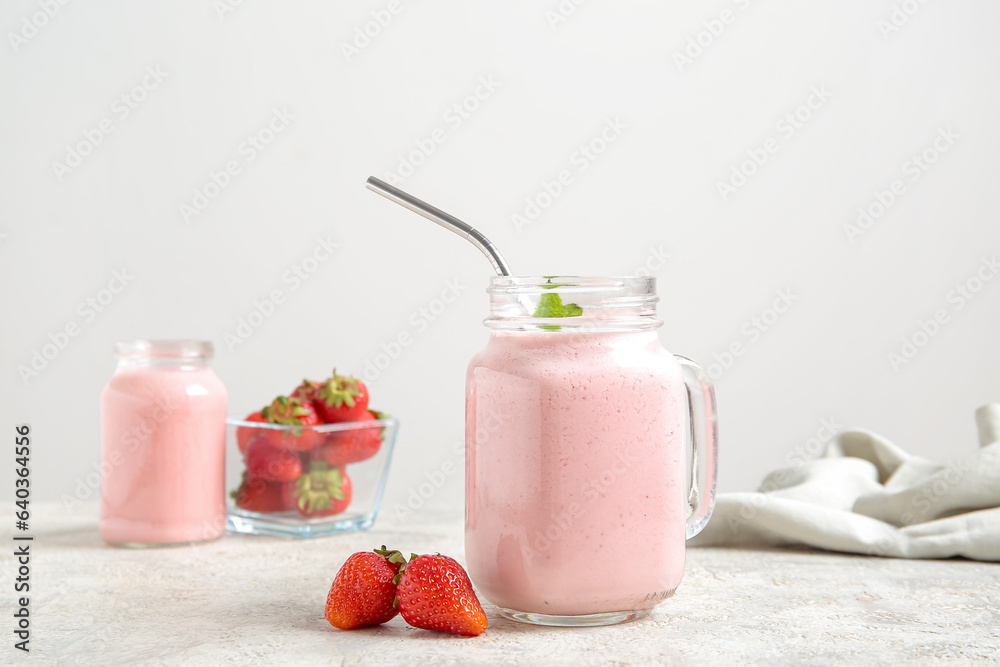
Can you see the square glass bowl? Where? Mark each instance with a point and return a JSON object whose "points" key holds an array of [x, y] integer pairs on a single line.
{"points": [[351, 457]]}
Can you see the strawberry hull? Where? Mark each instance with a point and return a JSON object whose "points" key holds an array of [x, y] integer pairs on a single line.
{"points": [[298, 416], [342, 399], [322, 491]]}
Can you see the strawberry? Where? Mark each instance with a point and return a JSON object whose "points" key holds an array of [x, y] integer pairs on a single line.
{"points": [[342, 399], [244, 434], [434, 593], [259, 495], [364, 590], [292, 412], [266, 462], [350, 445], [307, 392], [323, 491]]}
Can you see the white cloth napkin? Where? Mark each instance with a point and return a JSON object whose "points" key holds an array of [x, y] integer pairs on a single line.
{"points": [[867, 496]]}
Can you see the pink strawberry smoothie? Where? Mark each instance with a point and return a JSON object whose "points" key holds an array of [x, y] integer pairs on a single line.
{"points": [[163, 433], [575, 471]]}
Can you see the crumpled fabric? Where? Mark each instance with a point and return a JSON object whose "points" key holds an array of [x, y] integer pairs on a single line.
{"points": [[865, 495]]}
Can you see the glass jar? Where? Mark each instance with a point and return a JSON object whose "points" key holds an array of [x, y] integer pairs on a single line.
{"points": [[581, 489], [163, 439]]}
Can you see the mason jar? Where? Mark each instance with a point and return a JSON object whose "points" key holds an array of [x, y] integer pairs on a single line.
{"points": [[590, 452]]}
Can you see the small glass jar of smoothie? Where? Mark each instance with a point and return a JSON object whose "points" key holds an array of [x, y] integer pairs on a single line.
{"points": [[163, 440], [580, 487]]}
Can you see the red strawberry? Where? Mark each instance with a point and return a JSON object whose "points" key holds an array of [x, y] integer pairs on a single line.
{"points": [[244, 434], [288, 494], [267, 462], [292, 412], [435, 593], [307, 392], [350, 445], [258, 495], [323, 491], [342, 399], [364, 590]]}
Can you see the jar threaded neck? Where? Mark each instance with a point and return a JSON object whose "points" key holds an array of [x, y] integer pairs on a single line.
{"points": [[582, 303], [164, 352]]}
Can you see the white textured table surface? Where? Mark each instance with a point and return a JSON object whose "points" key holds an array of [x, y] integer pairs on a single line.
{"points": [[247, 600]]}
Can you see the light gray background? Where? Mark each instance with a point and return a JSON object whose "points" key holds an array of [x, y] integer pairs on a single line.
{"points": [[655, 187]]}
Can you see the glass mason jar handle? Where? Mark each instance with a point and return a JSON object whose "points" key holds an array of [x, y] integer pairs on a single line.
{"points": [[704, 453]]}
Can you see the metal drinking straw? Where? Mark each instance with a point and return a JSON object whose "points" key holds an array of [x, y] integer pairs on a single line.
{"points": [[446, 220]]}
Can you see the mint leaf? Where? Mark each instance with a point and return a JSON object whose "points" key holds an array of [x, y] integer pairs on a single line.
{"points": [[550, 305]]}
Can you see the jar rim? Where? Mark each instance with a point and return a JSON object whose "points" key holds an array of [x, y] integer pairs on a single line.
{"points": [[536, 284], [582, 303], [165, 349]]}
